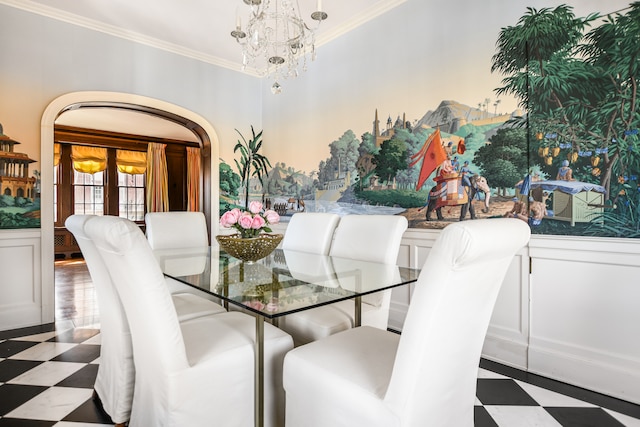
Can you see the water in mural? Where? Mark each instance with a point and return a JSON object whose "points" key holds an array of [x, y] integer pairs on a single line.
{"points": [[567, 162]]}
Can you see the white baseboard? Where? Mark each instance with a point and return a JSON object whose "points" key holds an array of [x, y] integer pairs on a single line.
{"points": [[505, 351], [604, 373]]}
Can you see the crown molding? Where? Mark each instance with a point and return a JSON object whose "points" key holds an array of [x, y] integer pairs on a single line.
{"points": [[362, 18], [112, 30], [92, 24]]}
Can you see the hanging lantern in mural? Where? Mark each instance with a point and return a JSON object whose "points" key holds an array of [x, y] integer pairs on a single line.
{"points": [[572, 157], [555, 151], [548, 160], [595, 160], [595, 172], [461, 147]]}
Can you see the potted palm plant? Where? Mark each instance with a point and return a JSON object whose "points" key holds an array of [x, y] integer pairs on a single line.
{"points": [[252, 163], [250, 243]]}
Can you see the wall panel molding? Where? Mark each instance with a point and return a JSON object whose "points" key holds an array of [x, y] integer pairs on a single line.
{"points": [[22, 301]]}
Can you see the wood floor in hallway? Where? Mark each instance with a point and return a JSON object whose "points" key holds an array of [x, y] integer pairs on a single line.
{"points": [[75, 295]]}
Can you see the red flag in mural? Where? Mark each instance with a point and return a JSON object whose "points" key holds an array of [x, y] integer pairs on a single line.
{"points": [[420, 154], [432, 155]]}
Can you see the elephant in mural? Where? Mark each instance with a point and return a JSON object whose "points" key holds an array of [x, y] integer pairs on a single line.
{"points": [[453, 190], [480, 184]]}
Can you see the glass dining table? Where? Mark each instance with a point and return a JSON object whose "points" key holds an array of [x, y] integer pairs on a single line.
{"points": [[282, 283]]}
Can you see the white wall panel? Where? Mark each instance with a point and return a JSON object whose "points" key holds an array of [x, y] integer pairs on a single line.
{"points": [[585, 314], [508, 334], [414, 250], [21, 301]]}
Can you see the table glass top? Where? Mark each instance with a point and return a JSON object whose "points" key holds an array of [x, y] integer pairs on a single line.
{"points": [[282, 283]]}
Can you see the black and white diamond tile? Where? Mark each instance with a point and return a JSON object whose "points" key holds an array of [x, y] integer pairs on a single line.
{"points": [[46, 379], [504, 401], [47, 376]]}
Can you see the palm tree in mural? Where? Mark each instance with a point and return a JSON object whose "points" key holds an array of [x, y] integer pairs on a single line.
{"points": [[252, 163], [579, 90]]}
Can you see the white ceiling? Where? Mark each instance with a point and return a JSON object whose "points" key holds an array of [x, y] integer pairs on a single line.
{"points": [[125, 121], [197, 29]]}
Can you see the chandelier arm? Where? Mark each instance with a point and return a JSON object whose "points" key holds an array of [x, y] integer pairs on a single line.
{"points": [[276, 40]]}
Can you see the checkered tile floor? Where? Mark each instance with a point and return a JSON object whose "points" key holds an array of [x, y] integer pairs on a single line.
{"points": [[47, 375]]}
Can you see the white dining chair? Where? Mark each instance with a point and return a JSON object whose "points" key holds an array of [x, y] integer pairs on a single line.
{"points": [[176, 229], [310, 267], [194, 373], [427, 375], [310, 232], [374, 238], [179, 230], [115, 379]]}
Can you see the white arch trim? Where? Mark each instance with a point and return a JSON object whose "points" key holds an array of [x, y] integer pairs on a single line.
{"points": [[49, 116]]}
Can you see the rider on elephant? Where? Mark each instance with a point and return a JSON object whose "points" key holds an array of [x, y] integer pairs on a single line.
{"points": [[471, 191]]}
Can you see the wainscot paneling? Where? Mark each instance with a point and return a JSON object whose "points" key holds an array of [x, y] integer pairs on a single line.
{"points": [[414, 250], [508, 334], [585, 313], [21, 300]]}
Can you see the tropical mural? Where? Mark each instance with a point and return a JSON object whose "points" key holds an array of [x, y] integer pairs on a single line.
{"points": [[566, 160], [578, 78]]}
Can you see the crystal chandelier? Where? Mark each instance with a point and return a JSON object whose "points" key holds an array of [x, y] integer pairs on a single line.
{"points": [[276, 39]]}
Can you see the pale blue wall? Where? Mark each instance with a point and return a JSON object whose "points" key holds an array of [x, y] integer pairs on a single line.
{"points": [[42, 58]]}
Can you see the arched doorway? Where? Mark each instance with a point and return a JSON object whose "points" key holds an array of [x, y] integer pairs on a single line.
{"points": [[189, 119]]}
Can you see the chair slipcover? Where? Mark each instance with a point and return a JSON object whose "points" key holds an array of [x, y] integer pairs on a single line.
{"points": [[176, 230], [179, 230], [193, 373], [361, 237], [426, 376], [310, 232], [310, 267], [116, 372]]}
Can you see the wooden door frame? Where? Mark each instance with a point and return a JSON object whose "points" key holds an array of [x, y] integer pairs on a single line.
{"points": [[196, 123]]}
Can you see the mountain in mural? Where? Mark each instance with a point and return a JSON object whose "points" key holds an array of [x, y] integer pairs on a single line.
{"points": [[450, 116], [283, 179]]}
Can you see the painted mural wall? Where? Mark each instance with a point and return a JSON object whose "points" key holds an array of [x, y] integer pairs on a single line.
{"points": [[19, 187], [349, 135]]}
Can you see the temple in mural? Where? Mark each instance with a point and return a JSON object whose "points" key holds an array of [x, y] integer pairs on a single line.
{"points": [[14, 170], [383, 135]]}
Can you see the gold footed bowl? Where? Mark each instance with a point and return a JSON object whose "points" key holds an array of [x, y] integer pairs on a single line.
{"points": [[251, 249]]}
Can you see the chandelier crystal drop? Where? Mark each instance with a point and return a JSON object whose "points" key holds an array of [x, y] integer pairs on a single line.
{"points": [[276, 41]]}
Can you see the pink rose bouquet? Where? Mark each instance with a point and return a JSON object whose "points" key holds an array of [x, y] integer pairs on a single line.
{"points": [[250, 223]]}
